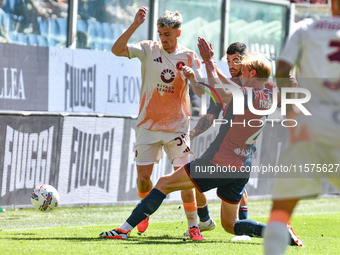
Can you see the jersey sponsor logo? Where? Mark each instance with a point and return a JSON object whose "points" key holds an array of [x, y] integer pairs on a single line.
{"points": [[80, 87], [167, 76], [13, 84], [165, 88], [179, 65], [27, 159], [242, 152], [265, 104], [159, 60], [90, 162], [327, 25]]}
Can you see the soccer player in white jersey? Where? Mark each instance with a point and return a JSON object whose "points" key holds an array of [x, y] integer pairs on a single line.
{"points": [[315, 141], [164, 110]]}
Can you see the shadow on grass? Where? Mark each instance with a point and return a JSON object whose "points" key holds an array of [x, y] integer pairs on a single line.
{"points": [[134, 240]]}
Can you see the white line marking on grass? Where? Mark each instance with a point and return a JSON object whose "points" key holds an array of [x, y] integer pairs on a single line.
{"points": [[154, 221]]}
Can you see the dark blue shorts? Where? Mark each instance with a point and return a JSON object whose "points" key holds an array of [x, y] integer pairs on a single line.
{"points": [[230, 189]]}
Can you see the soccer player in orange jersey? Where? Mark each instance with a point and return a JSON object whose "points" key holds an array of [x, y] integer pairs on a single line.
{"points": [[164, 110]]}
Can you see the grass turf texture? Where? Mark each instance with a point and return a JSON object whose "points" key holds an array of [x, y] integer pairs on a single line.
{"points": [[75, 231]]}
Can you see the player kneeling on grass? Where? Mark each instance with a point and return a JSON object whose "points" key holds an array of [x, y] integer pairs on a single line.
{"points": [[221, 153]]}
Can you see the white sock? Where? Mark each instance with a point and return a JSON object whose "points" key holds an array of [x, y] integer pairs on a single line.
{"points": [[192, 218], [126, 226], [208, 222], [276, 238]]}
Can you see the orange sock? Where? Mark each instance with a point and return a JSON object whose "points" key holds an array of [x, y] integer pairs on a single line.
{"points": [[143, 195], [191, 213]]}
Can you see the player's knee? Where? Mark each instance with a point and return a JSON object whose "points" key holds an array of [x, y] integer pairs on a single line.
{"points": [[164, 185], [162, 181], [228, 227], [143, 178]]}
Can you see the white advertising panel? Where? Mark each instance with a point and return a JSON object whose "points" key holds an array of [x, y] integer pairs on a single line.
{"points": [[90, 160], [93, 81]]}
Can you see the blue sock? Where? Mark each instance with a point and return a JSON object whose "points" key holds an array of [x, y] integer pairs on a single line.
{"points": [[203, 213], [248, 227], [243, 213], [146, 207]]}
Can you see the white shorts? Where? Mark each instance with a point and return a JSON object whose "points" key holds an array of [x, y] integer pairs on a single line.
{"points": [[310, 162], [149, 143]]}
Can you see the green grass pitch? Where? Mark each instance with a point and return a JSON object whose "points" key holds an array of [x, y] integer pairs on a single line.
{"points": [[75, 231]]}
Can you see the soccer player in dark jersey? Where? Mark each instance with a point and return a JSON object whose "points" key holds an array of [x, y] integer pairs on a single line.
{"points": [[232, 150], [235, 53]]}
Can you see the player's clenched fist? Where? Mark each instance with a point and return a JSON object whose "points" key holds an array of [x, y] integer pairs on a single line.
{"points": [[188, 72], [141, 15]]}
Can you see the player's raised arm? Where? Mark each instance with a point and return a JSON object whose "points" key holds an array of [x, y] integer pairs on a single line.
{"points": [[207, 54], [206, 121], [120, 48]]}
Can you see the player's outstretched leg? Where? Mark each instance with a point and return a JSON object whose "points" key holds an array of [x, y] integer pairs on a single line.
{"points": [[179, 180], [144, 209]]}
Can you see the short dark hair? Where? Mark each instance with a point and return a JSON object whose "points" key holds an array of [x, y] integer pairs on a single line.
{"points": [[237, 47]]}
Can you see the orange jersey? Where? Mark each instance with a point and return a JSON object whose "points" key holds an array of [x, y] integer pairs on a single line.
{"points": [[164, 97]]}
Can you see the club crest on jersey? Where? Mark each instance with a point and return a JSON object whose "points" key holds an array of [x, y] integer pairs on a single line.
{"points": [[167, 76], [179, 65]]}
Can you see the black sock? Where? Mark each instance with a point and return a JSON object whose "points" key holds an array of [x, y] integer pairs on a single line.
{"points": [[146, 207], [203, 213], [248, 227], [243, 213]]}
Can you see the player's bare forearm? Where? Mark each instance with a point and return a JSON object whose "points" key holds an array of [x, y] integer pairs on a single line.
{"points": [[195, 88], [203, 124], [223, 78], [120, 48], [225, 95], [220, 74]]}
